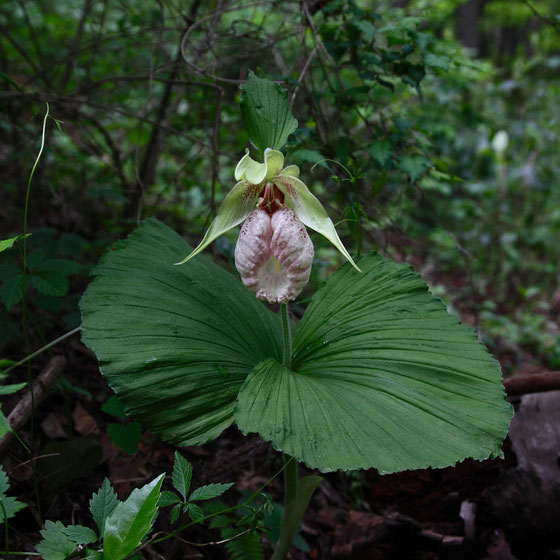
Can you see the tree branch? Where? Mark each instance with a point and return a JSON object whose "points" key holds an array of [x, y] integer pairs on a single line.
{"points": [[533, 383]]}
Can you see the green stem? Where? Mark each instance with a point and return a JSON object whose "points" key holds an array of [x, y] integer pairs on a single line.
{"points": [[24, 312], [286, 336], [209, 516], [42, 349], [290, 479], [358, 224], [6, 530]]}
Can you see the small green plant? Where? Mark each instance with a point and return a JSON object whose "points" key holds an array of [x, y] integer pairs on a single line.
{"points": [[9, 506], [186, 501], [122, 527]]}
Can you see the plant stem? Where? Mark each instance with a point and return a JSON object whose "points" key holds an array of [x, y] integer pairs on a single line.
{"points": [[42, 349], [290, 478], [24, 312], [358, 221], [286, 336]]}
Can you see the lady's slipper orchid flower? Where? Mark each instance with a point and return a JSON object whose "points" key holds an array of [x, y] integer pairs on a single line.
{"points": [[272, 228], [274, 255]]}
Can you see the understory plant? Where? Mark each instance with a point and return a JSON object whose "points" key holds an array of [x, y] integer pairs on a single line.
{"points": [[377, 374]]}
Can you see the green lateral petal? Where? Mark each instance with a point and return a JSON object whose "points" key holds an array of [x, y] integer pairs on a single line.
{"points": [[237, 205], [254, 172], [292, 170], [310, 211], [248, 166]]}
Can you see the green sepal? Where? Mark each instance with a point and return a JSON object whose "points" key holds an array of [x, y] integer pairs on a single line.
{"points": [[310, 211], [236, 206]]}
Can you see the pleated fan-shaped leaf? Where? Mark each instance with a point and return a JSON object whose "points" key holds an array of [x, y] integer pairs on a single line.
{"points": [[381, 376], [175, 342]]}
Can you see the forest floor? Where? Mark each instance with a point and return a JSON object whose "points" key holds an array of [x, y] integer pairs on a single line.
{"points": [[500, 509]]}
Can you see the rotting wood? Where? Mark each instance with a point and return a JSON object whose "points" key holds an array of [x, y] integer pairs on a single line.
{"points": [[21, 413]]}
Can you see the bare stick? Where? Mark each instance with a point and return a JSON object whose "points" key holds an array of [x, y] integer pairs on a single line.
{"points": [[22, 411]]}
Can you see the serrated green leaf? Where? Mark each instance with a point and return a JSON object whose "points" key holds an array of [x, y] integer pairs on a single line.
{"points": [[176, 373], [102, 504], [266, 113], [437, 61], [114, 406], [11, 290], [168, 499], [55, 544], [175, 512], [4, 424], [93, 555], [195, 512], [366, 27], [49, 281], [413, 166], [209, 491], [10, 506], [182, 475], [8, 269], [381, 376], [6, 244], [4, 482], [80, 535], [13, 388], [126, 437], [380, 151], [131, 520]]}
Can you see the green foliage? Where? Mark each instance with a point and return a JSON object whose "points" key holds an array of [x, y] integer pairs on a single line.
{"points": [[122, 526], [114, 407], [55, 544], [209, 492], [9, 506], [124, 436], [12, 388], [102, 505], [131, 520], [4, 424], [80, 535], [9, 243], [248, 546], [377, 361], [182, 475], [181, 478]]}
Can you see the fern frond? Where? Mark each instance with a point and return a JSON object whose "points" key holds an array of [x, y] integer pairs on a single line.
{"points": [[246, 547]]}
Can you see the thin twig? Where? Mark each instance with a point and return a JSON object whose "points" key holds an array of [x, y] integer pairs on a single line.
{"points": [[303, 72]]}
